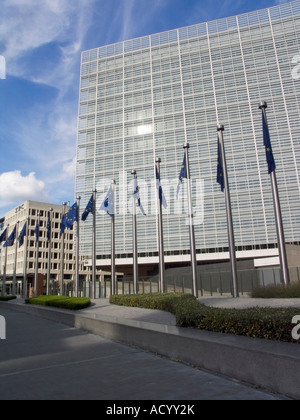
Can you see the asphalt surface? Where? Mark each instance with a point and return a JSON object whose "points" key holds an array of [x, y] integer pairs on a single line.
{"points": [[44, 360]]}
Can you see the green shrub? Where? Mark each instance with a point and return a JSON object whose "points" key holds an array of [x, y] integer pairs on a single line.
{"points": [[60, 302], [267, 323], [279, 291], [165, 302], [7, 298], [190, 315]]}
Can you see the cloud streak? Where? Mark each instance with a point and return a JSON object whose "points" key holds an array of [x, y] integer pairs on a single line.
{"points": [[29, 25], [41, 42]]}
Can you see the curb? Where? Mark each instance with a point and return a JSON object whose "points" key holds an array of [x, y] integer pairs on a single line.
{"points": [[271, 365]]}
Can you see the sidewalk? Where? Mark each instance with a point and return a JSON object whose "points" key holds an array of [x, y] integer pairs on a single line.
{"points": [[244, 302], [271, 365], [104, 308]]}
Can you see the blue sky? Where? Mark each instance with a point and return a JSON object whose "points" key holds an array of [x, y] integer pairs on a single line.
{"points": [[41, 42]]}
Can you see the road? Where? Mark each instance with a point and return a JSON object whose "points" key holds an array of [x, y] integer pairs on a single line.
{"points": [[44, 360]]}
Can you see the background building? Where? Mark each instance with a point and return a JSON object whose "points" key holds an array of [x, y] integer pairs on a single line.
{"points": [[143, 98], [2, 221], [26, 254]]}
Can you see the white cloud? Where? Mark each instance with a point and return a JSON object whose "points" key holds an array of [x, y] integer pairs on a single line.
{"points": [[15, 188], [28, 25]]}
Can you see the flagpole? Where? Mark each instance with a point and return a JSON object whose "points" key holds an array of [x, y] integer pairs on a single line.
{"points": [[25, 261], [15, 262], [78, 198], [191, 222], [37, 256], [235, 290], [277, 209], [94, 246], [113, 251], [4, 271], [134, 239], [4, 274], [49, 253], [160, 237], [62, 253]]}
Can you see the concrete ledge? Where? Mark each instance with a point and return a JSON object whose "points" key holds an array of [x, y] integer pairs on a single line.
{"points": [[271, 365]]}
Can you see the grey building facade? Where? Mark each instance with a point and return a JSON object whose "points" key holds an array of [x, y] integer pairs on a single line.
{"points": [[143, 98]]}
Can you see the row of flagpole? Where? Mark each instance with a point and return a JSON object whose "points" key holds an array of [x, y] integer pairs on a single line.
{"points": [[222, 179], [108, 206]]}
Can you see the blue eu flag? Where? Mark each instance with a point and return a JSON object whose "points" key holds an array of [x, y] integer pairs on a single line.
{"points": [[71, 216], [183, 174], [267, 143], [3, 236], [89, 209], [161, 196], [11, 239], [68, 219], [63, 225], [136, 195], [22, 234], [37, 231], [220, 174], [49, 227]]}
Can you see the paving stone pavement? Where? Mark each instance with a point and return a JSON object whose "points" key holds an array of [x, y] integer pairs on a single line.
{"points": [[246, 302], [44, 360], [104, 308]]}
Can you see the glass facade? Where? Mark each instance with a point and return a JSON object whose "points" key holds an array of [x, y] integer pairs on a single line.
{"points": [[143, 98]]}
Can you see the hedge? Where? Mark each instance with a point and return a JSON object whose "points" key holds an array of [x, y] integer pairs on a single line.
{"points": [[65, 302], [7, 298], [266, 323], [165, 302], [279, 291]]}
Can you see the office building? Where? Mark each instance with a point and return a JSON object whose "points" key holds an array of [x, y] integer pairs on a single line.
{"points": [[21, 259], [144, 98]]}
